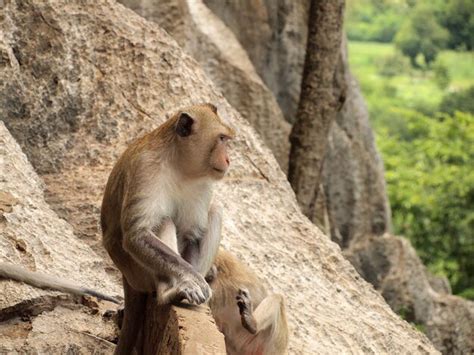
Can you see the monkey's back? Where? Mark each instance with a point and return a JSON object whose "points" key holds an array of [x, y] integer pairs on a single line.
{"points": [[121, 184], [118, 186]]}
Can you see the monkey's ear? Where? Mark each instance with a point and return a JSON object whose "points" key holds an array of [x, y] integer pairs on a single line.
{"points": [[184, 125], [212, 107]]}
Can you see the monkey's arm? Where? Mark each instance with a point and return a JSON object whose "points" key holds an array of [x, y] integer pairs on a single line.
{"points": [[149, 245], [14, 272], [160, 259], [155, 255]]}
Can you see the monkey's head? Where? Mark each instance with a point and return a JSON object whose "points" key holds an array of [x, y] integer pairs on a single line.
{"points": [[202, 142]]}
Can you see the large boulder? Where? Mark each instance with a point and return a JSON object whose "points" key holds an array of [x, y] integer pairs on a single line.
{"points": [[208, 40], [80, 80], [390, 263], [33, 236]]}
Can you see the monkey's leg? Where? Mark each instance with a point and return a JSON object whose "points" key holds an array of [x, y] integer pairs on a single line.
{"points": [[201, 254], [135, 303], [167, 231], [166, 291], [271, 313], [153, 254]]}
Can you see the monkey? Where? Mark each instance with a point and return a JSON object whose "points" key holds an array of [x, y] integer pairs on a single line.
{"points": [[36, 279], [236, 290], [158, 223], [252, 321]]}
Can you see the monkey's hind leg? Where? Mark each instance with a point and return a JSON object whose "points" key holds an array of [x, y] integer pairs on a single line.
{"points": [[270, 313], [270, 316], [209, 245], [135, 303]]}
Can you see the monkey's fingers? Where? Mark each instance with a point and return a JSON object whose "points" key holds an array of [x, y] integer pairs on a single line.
{"points": [[193, 294], [206, 290], [244, 301]]}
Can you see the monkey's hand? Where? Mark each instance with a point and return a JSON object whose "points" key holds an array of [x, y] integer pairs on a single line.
{"points": [[194, 289], [246, 311]]}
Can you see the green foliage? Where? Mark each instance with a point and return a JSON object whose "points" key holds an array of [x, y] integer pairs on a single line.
{"points": [[441, 75], [458, 18], [372, 20], [408, 315], [421, 34], [468, 293], [458, 101], [414, 89], [403, 110], [380, 20], [392, 65], [430, 180], [420, 327]]}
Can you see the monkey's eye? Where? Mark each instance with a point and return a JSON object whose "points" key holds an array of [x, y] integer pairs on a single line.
{"points": [[223, 138]]}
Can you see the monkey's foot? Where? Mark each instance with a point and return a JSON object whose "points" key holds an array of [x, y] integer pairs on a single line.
{"points": [[246, 310]]}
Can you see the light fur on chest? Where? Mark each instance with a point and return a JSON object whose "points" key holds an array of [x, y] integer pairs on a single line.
{"points": [[186, 204]]}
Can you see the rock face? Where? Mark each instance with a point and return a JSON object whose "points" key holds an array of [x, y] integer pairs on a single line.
{"points": [[354, 202], [354, 182], [78, 81], [274, 34], [33, 236], [203, 35], [392, 266]]}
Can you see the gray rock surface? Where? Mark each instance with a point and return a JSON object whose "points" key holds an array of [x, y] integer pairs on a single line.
{"points": [[208, 40], [390, 263], [33, 236], [81, 80], [353, 171], [274, 34]]}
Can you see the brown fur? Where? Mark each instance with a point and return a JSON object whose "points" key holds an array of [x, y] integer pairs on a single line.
{"points": [[165, 177], [270, 333]]}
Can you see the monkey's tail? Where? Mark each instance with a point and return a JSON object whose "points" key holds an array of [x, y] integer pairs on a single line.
{"points": [[36, 279]]}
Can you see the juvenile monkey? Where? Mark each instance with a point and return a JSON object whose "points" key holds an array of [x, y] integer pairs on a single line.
{"points": [[252, 321], [36, 279], [157, 221]]}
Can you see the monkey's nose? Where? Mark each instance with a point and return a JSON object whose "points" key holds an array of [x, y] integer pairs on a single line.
{"points": [[227, 161]]}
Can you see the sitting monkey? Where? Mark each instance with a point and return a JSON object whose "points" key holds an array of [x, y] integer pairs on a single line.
{"points": [[158, 223]]}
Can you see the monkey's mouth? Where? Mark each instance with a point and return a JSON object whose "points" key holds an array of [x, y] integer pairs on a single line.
{"points": [[220, 171]]}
